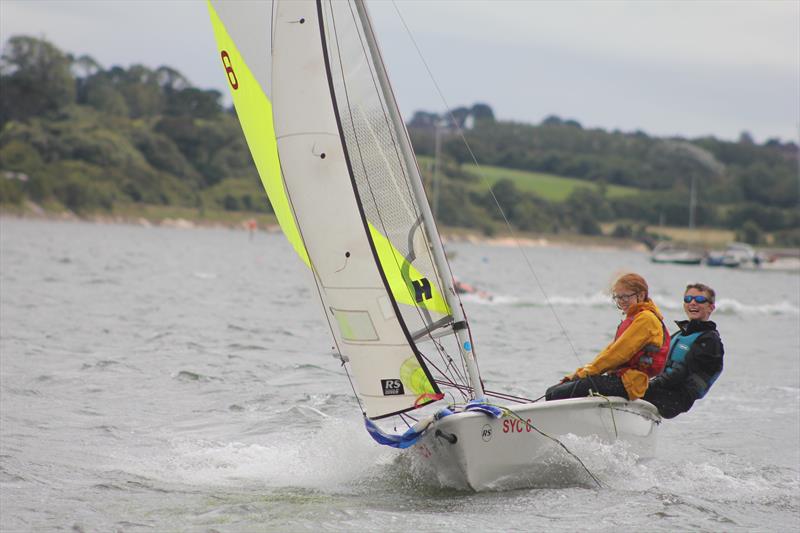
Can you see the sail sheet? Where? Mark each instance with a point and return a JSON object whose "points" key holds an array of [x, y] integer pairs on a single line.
{"points": [[331, 157]]}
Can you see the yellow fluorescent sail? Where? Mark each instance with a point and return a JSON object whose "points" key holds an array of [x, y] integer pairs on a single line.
{"points": [[393, 264], [255, 116]]}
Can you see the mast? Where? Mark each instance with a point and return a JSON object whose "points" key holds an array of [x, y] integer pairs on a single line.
{"points": [[460, 323], [692, 202]]}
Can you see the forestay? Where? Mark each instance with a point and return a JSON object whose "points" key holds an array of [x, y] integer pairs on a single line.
{"points": [[325, 134]]}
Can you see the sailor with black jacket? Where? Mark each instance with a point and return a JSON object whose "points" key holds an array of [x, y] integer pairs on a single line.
{"points": [[695, 356]]}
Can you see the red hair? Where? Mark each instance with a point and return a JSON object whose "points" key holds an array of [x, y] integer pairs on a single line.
{"points": [[634, 283]]}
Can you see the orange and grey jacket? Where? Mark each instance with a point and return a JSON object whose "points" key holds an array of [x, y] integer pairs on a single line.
{"points": [[642, 329]]}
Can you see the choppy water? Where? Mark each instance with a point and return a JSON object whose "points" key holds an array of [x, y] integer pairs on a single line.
{"points": [[157, 379]]}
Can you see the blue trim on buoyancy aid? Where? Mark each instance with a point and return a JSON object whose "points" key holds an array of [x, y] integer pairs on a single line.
{"points": [[678, 349]]}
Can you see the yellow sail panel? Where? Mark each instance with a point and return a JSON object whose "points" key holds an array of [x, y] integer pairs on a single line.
{"points": [[408, 285], [255, 115]]}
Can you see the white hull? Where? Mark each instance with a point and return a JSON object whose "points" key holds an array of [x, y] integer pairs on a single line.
{"points": [[679, 258], [491, 453]]}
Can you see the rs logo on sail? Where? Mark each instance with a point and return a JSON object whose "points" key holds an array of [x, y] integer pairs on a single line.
{"points": [[392, 387]]}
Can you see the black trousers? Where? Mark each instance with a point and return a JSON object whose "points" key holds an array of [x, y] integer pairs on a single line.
{"points": [[669, 402], [605, 385]]}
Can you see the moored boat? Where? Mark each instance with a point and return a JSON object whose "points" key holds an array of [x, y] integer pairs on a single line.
{"points": [[668, 252]]}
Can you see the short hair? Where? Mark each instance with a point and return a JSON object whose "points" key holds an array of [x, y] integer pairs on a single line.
{"points": [[702, 288], [633, 282]]}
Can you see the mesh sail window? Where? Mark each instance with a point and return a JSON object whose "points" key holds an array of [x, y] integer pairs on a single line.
{"points": [[382, 176]]}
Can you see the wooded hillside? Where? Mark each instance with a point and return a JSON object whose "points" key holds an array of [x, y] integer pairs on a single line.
{"points": [[76, 135]]}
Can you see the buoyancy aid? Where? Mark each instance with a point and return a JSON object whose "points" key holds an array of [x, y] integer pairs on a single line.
{"points": [[650, 359], [679, 348]]}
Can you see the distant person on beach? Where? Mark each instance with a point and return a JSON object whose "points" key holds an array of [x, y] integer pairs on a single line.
{"points": [[637, 353], [695, 356]]}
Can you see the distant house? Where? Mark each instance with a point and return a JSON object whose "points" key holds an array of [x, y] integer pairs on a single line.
{"points": [[9, 175]]}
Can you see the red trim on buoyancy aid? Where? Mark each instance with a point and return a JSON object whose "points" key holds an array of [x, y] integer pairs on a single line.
{"points": [[651, 359]]}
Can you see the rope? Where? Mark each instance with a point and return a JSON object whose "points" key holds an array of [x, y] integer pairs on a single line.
{"points": [[649, 419], [497, 203], [494, 394], [610, 406]]}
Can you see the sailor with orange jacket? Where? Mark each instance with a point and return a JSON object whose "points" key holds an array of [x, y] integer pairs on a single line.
{"points": [[637, 353]]}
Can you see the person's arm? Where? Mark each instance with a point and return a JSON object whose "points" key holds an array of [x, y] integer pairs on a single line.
{"points": [[705, 356], [645, 329]]}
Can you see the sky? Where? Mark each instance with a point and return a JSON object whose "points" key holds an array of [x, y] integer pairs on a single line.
{"points": [[668, 68]]}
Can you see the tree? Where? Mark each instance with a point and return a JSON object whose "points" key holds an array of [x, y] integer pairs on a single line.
{"points": [[746, 138], [505, 193], [35, 78], [482, 112], [170, 79], [457, 117], [106, 98], [750, 233], [194, 102], [552, 120], [423, 120], [139, 85]]}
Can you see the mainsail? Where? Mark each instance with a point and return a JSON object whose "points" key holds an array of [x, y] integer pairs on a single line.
{"points": [[334, 157]]}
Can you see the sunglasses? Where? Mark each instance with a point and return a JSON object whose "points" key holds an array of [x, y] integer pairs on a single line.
{"points": [[699, 299]]}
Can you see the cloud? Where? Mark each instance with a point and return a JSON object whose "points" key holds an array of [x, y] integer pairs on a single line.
{"points": [[668, 68]]}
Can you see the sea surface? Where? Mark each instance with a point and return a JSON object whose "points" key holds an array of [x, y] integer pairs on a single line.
{"points": [[161, 379]]}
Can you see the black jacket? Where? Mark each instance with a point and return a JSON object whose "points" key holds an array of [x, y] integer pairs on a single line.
{"points": [[703, 360]]}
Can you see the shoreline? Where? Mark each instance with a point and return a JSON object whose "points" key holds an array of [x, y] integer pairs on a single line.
{"points": [[190, 218], [781, 259], [268, 224]]}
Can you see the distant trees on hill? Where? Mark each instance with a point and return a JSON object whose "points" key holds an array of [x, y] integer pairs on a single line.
{"points": [[77, 134], [91, 138], [736, 183]]}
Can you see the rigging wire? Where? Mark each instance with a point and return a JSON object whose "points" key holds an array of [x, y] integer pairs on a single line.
{"points": [[387, 122], [399, 158], [450, 363], [494, 394], [475, 162], [419, 216], [451, 382]]}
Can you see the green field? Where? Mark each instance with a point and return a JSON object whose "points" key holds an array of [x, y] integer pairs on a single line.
{"points": [[548, 186]]}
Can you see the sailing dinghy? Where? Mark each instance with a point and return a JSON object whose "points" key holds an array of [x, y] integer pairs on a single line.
{"points": [[315, 104]]}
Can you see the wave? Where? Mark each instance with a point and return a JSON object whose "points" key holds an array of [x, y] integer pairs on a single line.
{"points": [[325, 458], [729, 306], [320, 457], [726, 306]]}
